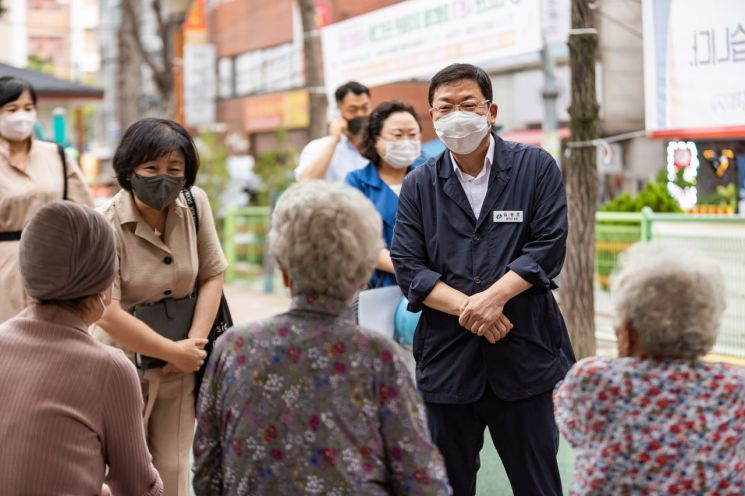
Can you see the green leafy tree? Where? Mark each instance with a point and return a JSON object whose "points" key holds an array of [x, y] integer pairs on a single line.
{"points": [[40, 64], [275, 169], [655, 195], [213, 175]]}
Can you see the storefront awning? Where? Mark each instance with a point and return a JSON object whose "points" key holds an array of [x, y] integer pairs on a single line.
{"points": [[724, 132], [47, 86]]}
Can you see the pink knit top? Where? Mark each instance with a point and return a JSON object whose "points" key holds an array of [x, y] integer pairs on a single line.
{"points": [[69, 407]]}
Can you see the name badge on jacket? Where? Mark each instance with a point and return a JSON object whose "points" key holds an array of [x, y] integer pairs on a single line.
{"points": [[508, 216]]}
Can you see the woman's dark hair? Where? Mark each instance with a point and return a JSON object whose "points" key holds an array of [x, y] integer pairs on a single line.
{"points": [[458, 72], [12, 87], [375, 126], [150, 139]]}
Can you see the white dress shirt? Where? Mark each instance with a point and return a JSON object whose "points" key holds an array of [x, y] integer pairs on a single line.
{"points": [[345, 159], [475, 187]]}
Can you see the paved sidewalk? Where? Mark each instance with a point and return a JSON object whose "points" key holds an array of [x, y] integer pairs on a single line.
{"points": [[248, 304]]}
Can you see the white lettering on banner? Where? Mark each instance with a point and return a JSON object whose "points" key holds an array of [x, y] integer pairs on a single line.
{"points": [[415, 39], [505, 216]]}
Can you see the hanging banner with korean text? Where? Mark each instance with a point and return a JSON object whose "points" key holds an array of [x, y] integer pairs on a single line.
{"points": [[416, 38], [694, 64]]}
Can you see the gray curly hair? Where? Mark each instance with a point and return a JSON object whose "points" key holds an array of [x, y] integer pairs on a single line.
{"points": [[326, 237], [673, 298]]}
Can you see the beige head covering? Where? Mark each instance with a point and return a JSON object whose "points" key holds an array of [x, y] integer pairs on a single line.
{"points": [[67, 251]]}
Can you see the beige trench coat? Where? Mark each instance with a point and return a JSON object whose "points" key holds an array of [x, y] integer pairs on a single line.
{"points": [[24, 189]]}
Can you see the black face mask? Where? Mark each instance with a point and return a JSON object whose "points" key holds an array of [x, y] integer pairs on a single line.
{"points": [[157, 191], [357, 125]]}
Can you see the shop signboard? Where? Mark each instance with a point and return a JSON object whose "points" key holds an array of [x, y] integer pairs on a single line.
{"points": [[694, 63], [286, 110]]}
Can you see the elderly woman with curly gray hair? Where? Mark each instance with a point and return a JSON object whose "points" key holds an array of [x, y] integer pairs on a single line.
{"points": [[307, 402], [658, 419]]}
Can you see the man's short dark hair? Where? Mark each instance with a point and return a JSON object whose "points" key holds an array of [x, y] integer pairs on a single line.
{"points": [[458, 72], [151, 139], [375, 126], [11, 89], [354, 87]]}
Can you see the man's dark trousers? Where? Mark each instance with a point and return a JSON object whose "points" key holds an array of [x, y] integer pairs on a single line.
{"points": [[524, 433]]}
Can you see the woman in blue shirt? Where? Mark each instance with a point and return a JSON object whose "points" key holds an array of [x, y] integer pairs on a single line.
{"points": [[392, 144]]}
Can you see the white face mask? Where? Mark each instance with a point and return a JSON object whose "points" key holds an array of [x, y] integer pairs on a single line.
{"points": [[103, 305], [462, 132], [401, 154], [17, 126]]}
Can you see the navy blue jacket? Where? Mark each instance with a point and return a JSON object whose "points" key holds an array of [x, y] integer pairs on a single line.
{"points": [[437, 237]]}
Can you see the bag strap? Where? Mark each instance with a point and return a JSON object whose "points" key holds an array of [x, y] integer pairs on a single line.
{"points": [[63, 158], [194, 215], [192, 207]]}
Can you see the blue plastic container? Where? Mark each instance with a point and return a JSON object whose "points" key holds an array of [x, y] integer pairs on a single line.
{"points": [[404, 323]]}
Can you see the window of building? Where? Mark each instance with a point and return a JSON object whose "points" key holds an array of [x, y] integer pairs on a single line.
{"points": [[225, 78], [271, 69]]}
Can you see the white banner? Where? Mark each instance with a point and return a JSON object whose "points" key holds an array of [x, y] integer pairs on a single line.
{"points": [[416, 38], [694, 63], [199, 84]]}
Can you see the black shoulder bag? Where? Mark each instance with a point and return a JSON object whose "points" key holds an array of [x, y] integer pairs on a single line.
{"points": [[223, 319]]}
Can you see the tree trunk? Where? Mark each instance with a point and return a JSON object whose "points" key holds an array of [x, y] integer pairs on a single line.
{"points": [[162, 65], [129, 78], [313, 75], [577, 295]]}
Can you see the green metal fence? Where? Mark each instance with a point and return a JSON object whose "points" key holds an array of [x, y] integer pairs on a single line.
{"points": [[721, 237], [244, 240]]}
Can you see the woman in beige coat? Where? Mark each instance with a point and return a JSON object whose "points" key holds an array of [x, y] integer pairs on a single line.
{"points": [[163, 256], [31, 175]]}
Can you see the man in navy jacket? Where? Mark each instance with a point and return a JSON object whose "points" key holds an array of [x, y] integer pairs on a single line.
{"points": [[480, 235]]}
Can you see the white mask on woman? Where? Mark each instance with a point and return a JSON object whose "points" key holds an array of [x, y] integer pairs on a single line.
{"points": [[462, 132], [104, 306], [401, 154], [18, 125]]}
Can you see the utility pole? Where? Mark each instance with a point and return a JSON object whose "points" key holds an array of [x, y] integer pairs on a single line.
{"points": [[550, 142], [577, 293], [313, 75]]}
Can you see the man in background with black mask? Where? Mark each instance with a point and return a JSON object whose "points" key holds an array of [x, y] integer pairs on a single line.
{"points": [[332, 157]]}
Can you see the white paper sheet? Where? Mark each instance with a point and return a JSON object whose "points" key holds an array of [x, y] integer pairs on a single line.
{"points": [[377, 308]]}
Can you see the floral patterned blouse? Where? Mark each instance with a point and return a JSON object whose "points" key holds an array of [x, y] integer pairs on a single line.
{"points": [[308, 403], [654, 426]]}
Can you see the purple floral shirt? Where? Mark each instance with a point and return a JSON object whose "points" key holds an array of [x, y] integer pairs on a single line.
{"points": [[654, 426], [308, 403]]}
